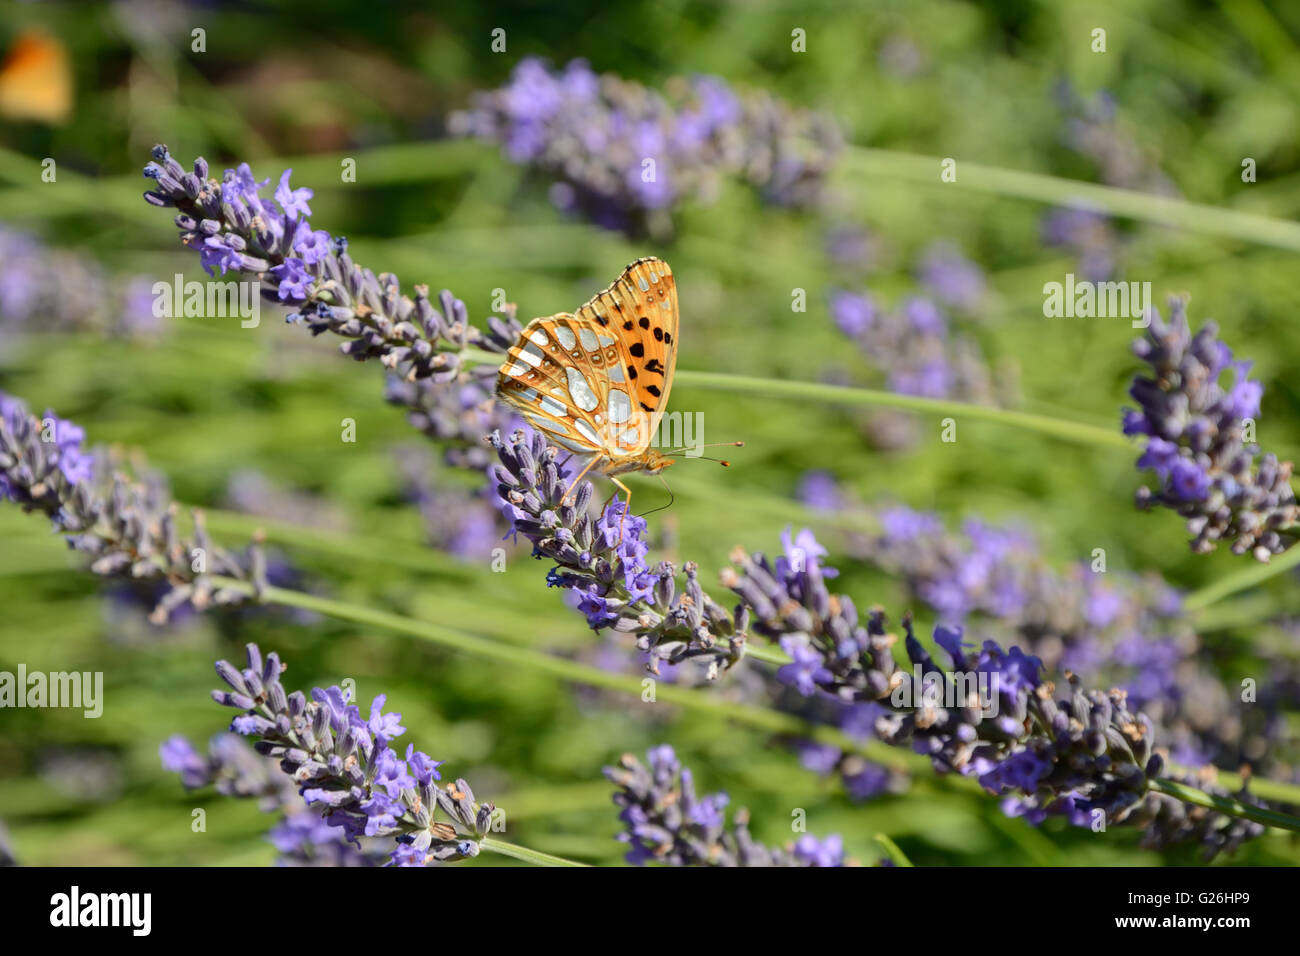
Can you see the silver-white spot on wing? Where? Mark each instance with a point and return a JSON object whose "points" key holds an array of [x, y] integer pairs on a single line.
{"points": [[545, 424], [553, 407], [588, 339], [620, 406], [514, 369], [582, 393], [531, 354], [538, 336], [565, 335], [586, 431], [616, 373]]}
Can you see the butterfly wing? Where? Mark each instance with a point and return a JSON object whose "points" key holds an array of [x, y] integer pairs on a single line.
{"points": [[597, 380], [534, 379]]}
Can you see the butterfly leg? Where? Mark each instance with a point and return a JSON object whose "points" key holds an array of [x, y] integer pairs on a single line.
{"points": [[573, 484]]}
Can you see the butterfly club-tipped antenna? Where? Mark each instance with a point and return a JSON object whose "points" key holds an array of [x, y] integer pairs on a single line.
{"points": [[716, 444]]}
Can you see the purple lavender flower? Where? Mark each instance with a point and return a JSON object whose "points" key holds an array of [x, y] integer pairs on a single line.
{"points": [[233, 227], [418, 339], [1195, 429], [818, 490], [805, 671], [346, 769], [293, 281], [179, 756], [913, 346], [1085, 751], [668, 823], [127, 528], [236, 770], [45, 289], [618, 587], [853, 313], [814, 852], [293, 201], [996, 582], [1091, 130], [1089, 234], [950, 277], [622, 155]]}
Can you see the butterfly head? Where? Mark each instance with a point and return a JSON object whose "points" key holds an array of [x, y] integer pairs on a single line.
{"points": [[653, 462], [650, 462]]}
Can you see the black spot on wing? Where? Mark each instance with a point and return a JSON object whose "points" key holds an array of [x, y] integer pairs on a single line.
{"points": [[631, 371], [653, 390], [654, 366], [659, 334], [643, 322], [637, 350]]}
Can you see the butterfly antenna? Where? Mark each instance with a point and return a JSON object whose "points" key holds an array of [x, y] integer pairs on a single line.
{"points": [[715, 444]]}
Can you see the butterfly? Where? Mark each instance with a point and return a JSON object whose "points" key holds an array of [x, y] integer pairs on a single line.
{"points": [[596, 381], [36, 80]]}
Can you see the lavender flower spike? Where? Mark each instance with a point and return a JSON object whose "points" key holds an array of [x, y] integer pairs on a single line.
{"points": [[624, 156], [128, 528], [236, 770], [616, 585], [233, 227], [346, 768], [668, 823], [1078, 755], [1195, 428]]}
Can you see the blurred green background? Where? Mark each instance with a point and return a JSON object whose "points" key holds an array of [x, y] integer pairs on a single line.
{"points": [[1200, 85]]}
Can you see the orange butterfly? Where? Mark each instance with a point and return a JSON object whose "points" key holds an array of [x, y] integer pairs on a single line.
{"points": [[36, 80], [596, 382]]}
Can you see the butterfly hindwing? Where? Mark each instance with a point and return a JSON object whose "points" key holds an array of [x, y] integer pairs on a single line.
{"points": [[533, 380]]}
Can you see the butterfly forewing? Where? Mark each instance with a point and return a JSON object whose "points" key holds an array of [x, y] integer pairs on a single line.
{"points": [[597, 381]]}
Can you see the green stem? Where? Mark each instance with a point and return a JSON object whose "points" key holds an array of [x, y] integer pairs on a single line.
{"points": [[535, 857], [1081, 432], [1240, 580], [838, 394], [1228, 805], [893, 851], [409, 555], [1275, 790], [1128, 203]]}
